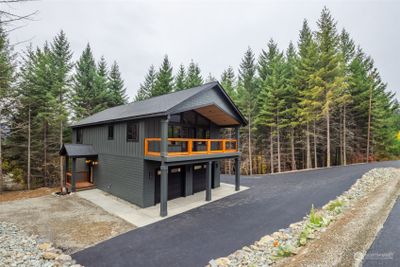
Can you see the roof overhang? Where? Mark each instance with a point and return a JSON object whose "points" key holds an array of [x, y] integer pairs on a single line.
{"points": [[77, 151], [217, 115]]}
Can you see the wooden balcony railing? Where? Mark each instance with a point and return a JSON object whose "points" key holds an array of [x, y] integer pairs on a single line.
{"points": [[190, 146]]}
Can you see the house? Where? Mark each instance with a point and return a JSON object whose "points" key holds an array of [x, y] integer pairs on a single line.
{"points": [[151, 151]]}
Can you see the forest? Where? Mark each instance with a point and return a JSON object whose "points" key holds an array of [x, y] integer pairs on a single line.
{"points": [[319, 102]]}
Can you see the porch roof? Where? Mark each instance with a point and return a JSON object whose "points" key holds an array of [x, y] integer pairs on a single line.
{"points": [[77, 150]]}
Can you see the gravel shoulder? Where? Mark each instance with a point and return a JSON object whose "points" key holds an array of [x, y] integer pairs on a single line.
{"points": [[69, 222]]}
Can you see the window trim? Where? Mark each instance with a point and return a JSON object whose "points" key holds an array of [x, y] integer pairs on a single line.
{"points": [[110, 137], [137, 131]]}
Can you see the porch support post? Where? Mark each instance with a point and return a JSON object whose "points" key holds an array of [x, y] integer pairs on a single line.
{"points": [[73, 175], [237, 174], [208, 181], [164, 167], [65, 170], [237, 160], [164, 191]]}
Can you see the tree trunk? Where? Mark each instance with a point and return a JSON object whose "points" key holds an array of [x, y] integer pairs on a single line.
{"points": [[1, 155], [45, 152], [344, 136], [292, 149], [369, 122], [328, 140], [308, 147], [28, 172], [315, 146], [61, 159], [271, 150], [279, 148], [250, 156]]}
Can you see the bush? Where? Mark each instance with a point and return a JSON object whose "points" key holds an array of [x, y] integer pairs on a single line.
{"points": [[335, 206]]}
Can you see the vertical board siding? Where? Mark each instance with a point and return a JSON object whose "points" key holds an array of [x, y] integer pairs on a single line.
{"points": [[121, 176]]}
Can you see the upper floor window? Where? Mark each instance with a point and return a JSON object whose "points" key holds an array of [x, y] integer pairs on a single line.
{"points": [[110, 132], [132, 133], [79, 136]]}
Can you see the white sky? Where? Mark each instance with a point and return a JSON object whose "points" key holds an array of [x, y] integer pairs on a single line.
{"points": [[213, 33]]}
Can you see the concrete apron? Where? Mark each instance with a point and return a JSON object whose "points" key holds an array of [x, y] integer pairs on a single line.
{"points": [[144, 216]]}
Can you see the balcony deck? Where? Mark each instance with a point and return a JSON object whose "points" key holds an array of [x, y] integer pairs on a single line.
{"points": [[183, 149]]}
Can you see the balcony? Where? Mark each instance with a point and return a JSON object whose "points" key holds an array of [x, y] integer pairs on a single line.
{"points": [[190, 147]]}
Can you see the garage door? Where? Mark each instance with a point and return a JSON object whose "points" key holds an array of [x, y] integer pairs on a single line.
{"points": [[176, 183], [199, 177]]}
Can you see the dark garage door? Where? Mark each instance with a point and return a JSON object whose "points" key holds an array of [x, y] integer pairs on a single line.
{"points": [[199, 177], [176, 183]]}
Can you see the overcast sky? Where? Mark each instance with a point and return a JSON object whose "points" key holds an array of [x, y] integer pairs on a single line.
{"points": [[213, 33]]}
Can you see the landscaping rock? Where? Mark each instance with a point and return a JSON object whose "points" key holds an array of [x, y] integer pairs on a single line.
{"points": [[20, 249]]}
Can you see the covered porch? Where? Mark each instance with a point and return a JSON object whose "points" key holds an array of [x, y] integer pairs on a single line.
{"points": [[75, 179]]}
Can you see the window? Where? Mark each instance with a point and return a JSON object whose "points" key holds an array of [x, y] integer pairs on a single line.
{"points": [[79, 136], [132, 134], [110, 132], [174, 131], [175, 118]]}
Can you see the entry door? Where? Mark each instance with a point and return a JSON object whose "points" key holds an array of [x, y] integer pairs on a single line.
{"points": [[176, 183]]}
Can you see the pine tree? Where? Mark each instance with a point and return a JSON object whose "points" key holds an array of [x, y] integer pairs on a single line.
{"points": [[210, 78], [328, 79], [85, 96], [228, 82], [116, 87], [61, 61], [6, 80], [308, 105], [193, 77], [164, 82], [147, 87], [248, 91], [272, 97], [180, 79]]}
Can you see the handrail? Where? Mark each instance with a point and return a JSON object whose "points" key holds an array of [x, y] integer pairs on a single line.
{"points": [[189, 148]]}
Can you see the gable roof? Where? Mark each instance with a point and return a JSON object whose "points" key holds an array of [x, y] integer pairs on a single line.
{"points": [[152, 107], [77, 150]]}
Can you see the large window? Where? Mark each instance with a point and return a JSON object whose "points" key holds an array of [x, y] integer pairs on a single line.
{"points": [[110, 132], [79, 136], [132, 132]]}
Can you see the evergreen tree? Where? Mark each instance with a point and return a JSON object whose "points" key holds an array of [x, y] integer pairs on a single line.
{"points": [[6, 95], [147, 87], [248, 91], [84, 95], [193, 77], [116, 87], [164, 82], [61, 64], [210, 78], [180, 79], [308, 103], [228, 82]]}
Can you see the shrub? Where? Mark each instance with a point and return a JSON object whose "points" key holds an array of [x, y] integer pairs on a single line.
{"points": [[335, 206]]}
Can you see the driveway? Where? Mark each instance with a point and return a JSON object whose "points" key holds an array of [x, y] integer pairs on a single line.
{"points": [[385, 251], [221, 227]]}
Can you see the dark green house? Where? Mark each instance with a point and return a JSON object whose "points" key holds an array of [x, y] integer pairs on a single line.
{"points": [[158, 149]]}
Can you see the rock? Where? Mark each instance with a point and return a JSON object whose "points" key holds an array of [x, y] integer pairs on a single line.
{"points": [[64, 257], [223, 261], [44, 246], [295, 250], [266, 240], [49, 255]]}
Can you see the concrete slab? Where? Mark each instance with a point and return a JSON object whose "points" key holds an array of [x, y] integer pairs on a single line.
{"points": [[144, 216]]}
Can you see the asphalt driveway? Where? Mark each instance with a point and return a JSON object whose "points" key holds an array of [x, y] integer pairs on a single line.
{"points": [[221, 227]]}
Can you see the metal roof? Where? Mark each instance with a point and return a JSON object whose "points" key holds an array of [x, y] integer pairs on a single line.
{"points": [[77, 150], [155, 106]]}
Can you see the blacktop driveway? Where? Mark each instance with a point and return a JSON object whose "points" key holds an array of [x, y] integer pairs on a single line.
{"points": [[221, 227]]}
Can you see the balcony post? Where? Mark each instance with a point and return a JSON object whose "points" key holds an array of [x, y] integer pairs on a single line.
{"points": [[164, 167], [73, 175], [208, 181], [237, 136], [237, 174]]}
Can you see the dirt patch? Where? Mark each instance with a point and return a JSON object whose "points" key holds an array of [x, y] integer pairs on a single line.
{"points": [[24, 194], [70, 222], [347, 240]]}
